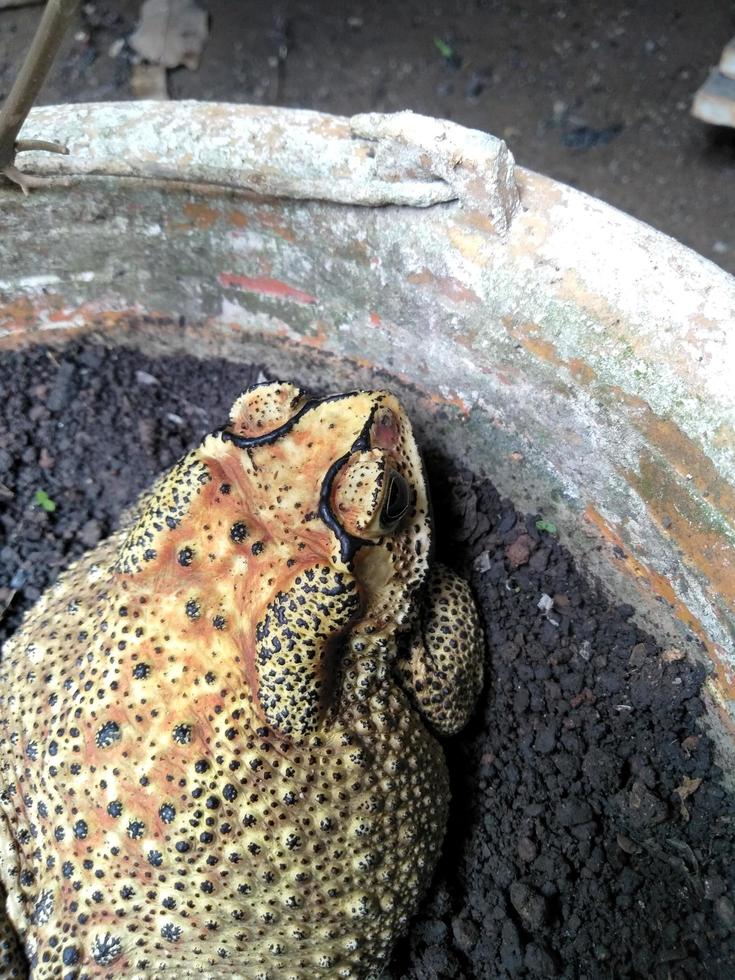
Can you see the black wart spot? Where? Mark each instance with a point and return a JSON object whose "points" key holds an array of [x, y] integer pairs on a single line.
{"points": [[136, 829], [185, 556], [167, 812], [182, 734], [193, 609], [80, 829], [106, 949], [108, 734], [239, 531]]}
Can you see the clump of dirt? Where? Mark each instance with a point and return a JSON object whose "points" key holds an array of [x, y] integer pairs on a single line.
{"points": [[590, 834]]}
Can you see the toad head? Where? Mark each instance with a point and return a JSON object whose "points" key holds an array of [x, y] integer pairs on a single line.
{"points": [[302, 520]]}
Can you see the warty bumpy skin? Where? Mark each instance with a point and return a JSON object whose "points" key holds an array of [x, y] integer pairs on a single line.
{"points": [[217, 748]]}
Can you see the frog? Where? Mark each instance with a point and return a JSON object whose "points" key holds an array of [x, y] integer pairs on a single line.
{"points": [[221, 730]]}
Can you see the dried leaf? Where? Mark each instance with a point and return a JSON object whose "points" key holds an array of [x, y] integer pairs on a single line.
{"points": [[672, 654], [171, 33], [627, 845], [688, 786], [690, 744], [148, 82], [5, 491], [482, 562], [638, 655], [644, 805], [689, 856]]}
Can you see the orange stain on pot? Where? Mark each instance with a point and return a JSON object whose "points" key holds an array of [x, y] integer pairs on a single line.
{"points": [[683, 518], [274, 222], [238, 219], [442, 401], [266, 286], [318, 339], [447, 286], [478, 221], [471, 245], [582, 371], [658, 584], [543, 349], [687, 458], [200, 215], [661, 587], [573, 289], [17, 314], [705, 548], [527, 335], [24, 318]]}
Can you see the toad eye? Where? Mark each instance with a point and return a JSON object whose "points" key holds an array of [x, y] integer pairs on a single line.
{"points": [[395, 501], [369, 497]]}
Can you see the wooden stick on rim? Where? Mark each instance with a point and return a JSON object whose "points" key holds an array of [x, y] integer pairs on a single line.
{"points": [[55, 20]]}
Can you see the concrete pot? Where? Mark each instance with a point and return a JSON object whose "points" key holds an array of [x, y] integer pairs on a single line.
{"points": [[580, 358]]}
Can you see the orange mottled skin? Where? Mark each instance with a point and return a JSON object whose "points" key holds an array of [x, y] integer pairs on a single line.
{"points": [[216, 751]]}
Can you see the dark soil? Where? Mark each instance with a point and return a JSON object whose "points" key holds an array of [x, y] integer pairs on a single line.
{"points": [[590, 837]]}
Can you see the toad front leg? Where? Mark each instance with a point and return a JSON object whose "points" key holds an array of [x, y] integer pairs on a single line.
{"points": [[444, 664]]}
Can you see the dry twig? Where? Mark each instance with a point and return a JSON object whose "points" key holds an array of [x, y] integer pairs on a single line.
{"points": [[55, 19]]}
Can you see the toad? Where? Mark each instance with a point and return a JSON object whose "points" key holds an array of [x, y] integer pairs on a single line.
{"points": [[219, 750]]}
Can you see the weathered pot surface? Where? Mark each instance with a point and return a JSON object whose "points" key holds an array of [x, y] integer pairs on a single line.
{"points": [[581, 358]]}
